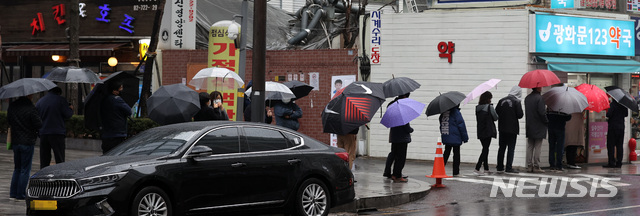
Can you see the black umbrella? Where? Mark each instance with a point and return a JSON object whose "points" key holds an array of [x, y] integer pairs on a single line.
{"points": [[444, 102], [72, 74], [173, 104], [298, 88], [399, 86], [622, 97], [131, 86], [24, 87], [352, 107], [93, 102]]}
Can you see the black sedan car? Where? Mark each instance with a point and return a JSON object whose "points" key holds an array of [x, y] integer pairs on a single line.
{"points": [[194, 168]]}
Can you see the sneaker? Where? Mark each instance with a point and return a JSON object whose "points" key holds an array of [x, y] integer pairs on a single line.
{"points": [[537, 170], [512, 171], [477, 172], [499, 171], [12, 199], [573, 166], [559, 170], [487, 172], [387, 175]]}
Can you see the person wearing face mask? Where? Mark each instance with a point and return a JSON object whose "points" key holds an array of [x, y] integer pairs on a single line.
{"points": [[219, 113], [206, 112], [287, 114], [114, 115]]}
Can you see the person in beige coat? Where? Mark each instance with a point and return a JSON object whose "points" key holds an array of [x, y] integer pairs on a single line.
{"points": [[574, 138]]}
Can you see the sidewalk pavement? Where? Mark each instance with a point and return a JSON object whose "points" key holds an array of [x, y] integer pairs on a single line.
{"points": [[373, 191]]}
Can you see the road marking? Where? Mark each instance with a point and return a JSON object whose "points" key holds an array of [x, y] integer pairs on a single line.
{"points": [[472, 180], [502, 180], [616, 184], [601, 210]]}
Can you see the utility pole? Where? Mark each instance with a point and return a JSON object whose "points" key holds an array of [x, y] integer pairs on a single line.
{"points": [[151, 56], [259, 56]]}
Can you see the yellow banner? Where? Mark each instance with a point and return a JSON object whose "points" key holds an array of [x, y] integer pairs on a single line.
{"points": [[223, 53]]}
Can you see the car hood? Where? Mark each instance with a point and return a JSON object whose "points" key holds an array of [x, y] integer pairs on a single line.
{"points": [[94, 166]]}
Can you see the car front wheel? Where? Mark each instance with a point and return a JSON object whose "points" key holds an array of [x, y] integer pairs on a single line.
{"points": [[151, 201], [313, 198]]}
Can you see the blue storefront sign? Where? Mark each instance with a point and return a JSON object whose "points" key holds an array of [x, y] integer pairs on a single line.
{"points": [[559, 4], [636, 23], [578, 35]]}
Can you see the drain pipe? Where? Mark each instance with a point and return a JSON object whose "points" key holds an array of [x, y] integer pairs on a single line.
{"points": [[318, 13]]}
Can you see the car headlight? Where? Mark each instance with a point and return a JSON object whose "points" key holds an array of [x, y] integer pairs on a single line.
{"points": [[103, 179]]}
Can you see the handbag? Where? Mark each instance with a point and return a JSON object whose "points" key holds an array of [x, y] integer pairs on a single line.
{"points": [[9, 139]]}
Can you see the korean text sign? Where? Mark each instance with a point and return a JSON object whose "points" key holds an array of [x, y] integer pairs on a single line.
{"points": [[556, 4], [223, 53], [579, 35], [376, 36]]}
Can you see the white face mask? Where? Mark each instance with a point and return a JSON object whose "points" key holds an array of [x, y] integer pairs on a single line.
{"points": [[286, 100], [217, 101]]}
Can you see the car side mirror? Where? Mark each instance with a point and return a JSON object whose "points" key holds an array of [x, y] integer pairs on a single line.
{"points": [[200, 151]]}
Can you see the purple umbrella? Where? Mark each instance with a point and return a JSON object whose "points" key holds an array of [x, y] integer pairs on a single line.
{"points": [[402, 112]]}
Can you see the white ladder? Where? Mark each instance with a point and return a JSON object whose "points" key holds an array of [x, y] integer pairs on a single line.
{"points": [[411, 4]]}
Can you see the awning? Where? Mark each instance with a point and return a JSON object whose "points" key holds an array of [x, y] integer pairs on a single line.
{"points": [[589, 65], [94, 49]]}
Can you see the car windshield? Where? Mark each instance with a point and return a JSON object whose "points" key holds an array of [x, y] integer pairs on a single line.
{"points": [[153, 142]]}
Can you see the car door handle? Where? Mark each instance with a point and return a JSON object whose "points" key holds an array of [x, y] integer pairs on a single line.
{"points": [[293, 161], [236, 165]]}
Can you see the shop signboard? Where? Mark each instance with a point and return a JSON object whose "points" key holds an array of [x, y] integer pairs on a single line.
{"points": [[376, 36], [224, 53], [580, 35], [636, 23], [633, 6], [178, 29], [560, 4]]}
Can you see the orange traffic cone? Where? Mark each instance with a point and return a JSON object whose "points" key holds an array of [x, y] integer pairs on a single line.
{"points": [[438, 167]]}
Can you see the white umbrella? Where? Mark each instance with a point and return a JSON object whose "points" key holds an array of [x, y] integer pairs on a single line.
{"points": [[480, 89], [216, 76], [275, 91]]}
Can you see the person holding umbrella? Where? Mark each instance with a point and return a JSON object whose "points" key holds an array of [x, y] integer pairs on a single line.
{"points": [[454, 133], [287, 114], [219, 113], [536, 127], [54, 110], [615, 135], [557, 124], [509, 110], [399, 137], [25, 122], [114, 115], [485, 116]]}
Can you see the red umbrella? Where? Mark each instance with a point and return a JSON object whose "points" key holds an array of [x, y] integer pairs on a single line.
{"points": [[538, 78], [597, 98]]}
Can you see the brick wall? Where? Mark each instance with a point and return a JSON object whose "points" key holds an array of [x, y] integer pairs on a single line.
{"points": [[279, 63]]}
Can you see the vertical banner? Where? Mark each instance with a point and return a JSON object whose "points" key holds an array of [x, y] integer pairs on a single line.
{"points": [[223, 53], [636, 24], [178, 29], [337, 83], [598, 142], [376, 30]]}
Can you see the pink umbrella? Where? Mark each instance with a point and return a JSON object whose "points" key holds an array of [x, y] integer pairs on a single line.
{"points": [[597, 98], [482, 88]]}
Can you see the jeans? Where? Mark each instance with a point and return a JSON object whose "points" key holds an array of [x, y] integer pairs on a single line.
{"points": [[22, 157], [456, 157], [556, 147], [50, 142], [506, 140], [397, 157], [484, 156]]}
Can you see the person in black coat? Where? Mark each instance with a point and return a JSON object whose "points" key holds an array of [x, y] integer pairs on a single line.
{"points": [[114, 114], [509, 110], [399, 137], [54, 110], [219, 113], [615, 134], [206, 112], [485, 117], [24, 120]]}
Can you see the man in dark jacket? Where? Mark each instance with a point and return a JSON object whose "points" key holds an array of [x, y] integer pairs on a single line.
{"points": [[509, 110], [615, 134], [54, 110], [114, 114], [536, 116], [287, 114], [25, 122]]}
